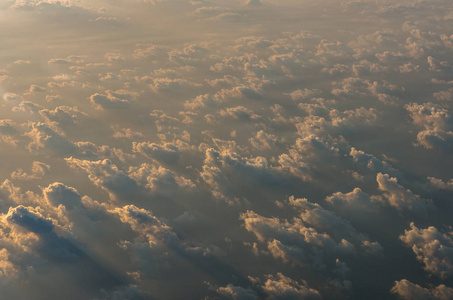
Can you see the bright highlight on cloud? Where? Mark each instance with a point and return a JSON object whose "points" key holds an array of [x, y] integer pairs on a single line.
{"points": [[226, 149]]}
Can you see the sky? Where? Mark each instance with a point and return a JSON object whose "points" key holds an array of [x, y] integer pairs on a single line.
{"points": [[226, 149]]}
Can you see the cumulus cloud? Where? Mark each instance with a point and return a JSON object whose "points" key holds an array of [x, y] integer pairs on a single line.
{"points": [[370, 161], [8, 270], [228, 174], [63, 115], [439, 183], [127, 133], [11, 97], [314, 238], [214, 150], [159, 179], [401, 198], [431, 247], [38, 171], [437, 123], [274, 287], [280, 286], [7, 127], [166, 84], [106, 175], [167, 154], [88, 149], [112, 99], [20, 3], [408, 290], [47, 137]]}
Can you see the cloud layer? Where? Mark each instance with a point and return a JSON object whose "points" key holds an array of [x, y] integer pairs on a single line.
{"points": [[226, 149]]}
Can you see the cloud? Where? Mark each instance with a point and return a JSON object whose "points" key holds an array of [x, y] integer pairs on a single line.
{"points": [[57, 193], [7, 127], [106, 175], [280, 286], [160, 180], [263, 140], [13, 195], [408, 290], [437, 123], [369, 161], [127, 133], [294, 242], [167, 154], [228, 174], [11, 97], [189, 55], [119, 99], [211, 149], [29, 219], [88, 149], [146, 51], [63, 115], [440, 184], [70, 60], [165, 84], [254, 3], [130, 292], [274, 287], [144, 223], [47, 137], [431, 247], [36, 89], [8, 270], [325, 221], [31, 3], [236, 292], [359, 208], [156, 237], [401, 198], [38, 171], [239, 112]]}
